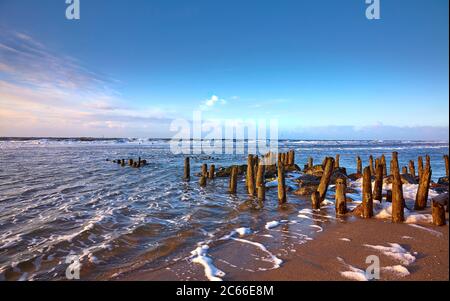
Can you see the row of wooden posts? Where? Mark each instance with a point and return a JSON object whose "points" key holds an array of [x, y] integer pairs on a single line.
{"points": [[135, 164], [255, 182]]}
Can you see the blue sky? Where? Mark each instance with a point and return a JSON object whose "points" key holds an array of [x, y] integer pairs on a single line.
{"points": [[128, 68]]}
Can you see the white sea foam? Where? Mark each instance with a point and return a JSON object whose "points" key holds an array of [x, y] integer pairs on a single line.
{"points": [[272, 224], [353, 273], [396, 252], [345, 239], [398, 270], [243, 231], [276, 261], [200, 256], [434, 232], [320, 229]]}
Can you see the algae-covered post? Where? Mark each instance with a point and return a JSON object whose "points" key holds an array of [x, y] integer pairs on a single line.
{"points": [[315, 200], [260, 184], [367, 203], [398, 202], [422, 191], [358, 165], [281, 184], [187, 169], [233, 179], [326, 176], [446, 165], [250, 176], [341, 203], [378, 185], [412, 168]]}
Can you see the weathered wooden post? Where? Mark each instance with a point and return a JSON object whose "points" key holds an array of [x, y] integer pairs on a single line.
{"points": [[340, 200], [315, 200], [187, 169], [367, 203], [404, 170], [291, 157], [336, 162], [358, 165], [372, 171], [420, 166], [428, 161], [281, 184], [202, 181], [378, 185], [260, 184], [250, 175], [422, 191], [131, 162], [325, 180], [412, 168], [438, 209], [383, 162], [212, 172], [122, 162], [205, 170], [233, 179], [310, 162], [446, 165], [398, 202]]}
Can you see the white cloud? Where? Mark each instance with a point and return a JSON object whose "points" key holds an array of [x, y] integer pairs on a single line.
{"points": [[211, 102]]}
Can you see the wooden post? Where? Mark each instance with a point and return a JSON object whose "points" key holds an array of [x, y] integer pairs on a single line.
{"points": [[310, 162], [412, 168], [336, 162], [428, 161], [291, 157], [281, 184], [404, 170], [398, 202], [205, 170], [378, 186], [233, 179], [420, 166], [325, 180], [383, 162], [422, 191], [389, 196], [187, 169], [315, 200], [372, 171], [367, 202], [202, 181], [358, 165], [446, 165], [340, 200], [122, 162], [438, 209], [250, 176], [212, 172], [438, 213], [260, 184], [130, 162]]}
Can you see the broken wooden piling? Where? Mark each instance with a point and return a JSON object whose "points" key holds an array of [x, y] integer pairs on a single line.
{"points": [[250, 176], [233, 180], [291, 158], [358, 165], [310, 162], [260, 183], [187, 169], [367, 203], [205, 170], [422, 191], [315, 200], [446, 165], [281, 184], [326, 176], [336, 161], [212, 172], [378, 185], [383, 163], [202, 181], [340, 199], [438, 209], [372, 171], [420, 166], [412, 168], [404, 170], [398, 202]]}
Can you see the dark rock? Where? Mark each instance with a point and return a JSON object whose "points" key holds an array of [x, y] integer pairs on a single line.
{"points": [[226, 172], [443, 181], [306, 189], [406, 179], [355, 176]]}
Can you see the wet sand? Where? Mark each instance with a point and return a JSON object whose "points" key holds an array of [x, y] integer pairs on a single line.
{"points": [[317, 259]]}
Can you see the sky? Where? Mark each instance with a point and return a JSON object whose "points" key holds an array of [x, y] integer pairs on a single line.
{"points": [[129, 68]]}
